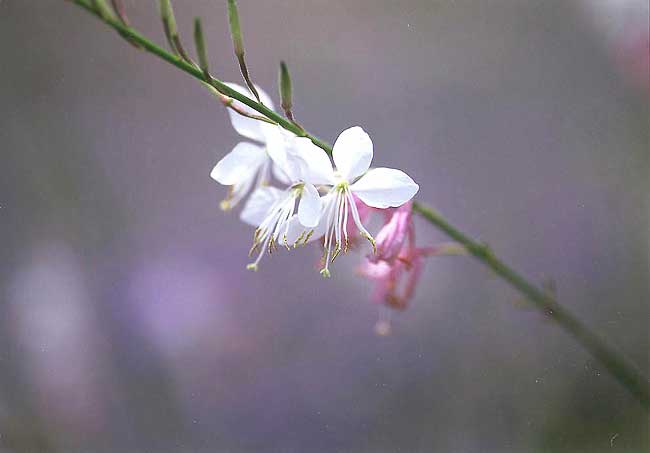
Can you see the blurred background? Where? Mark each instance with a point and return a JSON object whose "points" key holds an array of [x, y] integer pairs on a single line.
{"points": [[129, 323]]}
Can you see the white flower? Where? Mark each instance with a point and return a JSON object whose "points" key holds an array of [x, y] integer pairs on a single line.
{"points": [[272, 210], [248, 164], [378, 188]]}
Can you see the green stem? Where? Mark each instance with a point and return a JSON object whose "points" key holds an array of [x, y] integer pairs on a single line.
{"points": [[180, 63], [623, 371]]}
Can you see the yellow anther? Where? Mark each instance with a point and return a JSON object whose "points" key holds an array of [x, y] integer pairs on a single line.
{"points": [[337, 250], [225, 205], [252, 267], [256, 234], [372, 242], [295, 244], [325, 273]]}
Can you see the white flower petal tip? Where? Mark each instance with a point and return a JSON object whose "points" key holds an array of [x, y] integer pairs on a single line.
{"points": [[238, 165], [309, 207], [326, 273], [352, 152], [252, 267], [385, 188]]}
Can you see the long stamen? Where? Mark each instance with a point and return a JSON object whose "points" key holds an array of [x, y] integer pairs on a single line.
{"points": [[362, 230], [337, 222], [274, 224], [254, 266], [345, 225], [329, 231]]}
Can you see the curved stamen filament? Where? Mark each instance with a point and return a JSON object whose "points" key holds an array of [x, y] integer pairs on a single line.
{"points": [[274, 227], [362, 230], [335, 240]]}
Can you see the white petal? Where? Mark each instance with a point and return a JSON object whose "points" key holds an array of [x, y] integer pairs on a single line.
{"points": [[309, 208], [258, 205], [280, 175], [317, 168], [385, 187], [240, 163], [321, 228], [352, 153], [249, 127], [278, 143]]}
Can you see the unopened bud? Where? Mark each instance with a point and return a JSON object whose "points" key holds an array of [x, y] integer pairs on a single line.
{"points": [[235, 29], [284, 82], [200, 46]]}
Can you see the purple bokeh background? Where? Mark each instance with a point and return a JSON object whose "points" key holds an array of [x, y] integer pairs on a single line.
{"points": [[128, 320]]}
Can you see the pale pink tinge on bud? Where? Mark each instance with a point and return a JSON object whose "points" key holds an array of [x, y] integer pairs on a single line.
{"points": [[396, 280], [397, 266], [393, 235]]}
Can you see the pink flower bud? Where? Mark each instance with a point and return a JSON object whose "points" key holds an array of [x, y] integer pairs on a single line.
{"points": [[392, 237]]}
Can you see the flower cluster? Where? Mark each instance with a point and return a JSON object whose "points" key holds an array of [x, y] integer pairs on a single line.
{"points": [[315, 199]]}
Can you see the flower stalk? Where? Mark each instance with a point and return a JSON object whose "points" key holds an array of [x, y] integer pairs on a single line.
{"points": [[622, 370]]}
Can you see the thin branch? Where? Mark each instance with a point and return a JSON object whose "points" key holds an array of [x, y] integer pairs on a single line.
{"points": [[625, 372], [194, 71]]}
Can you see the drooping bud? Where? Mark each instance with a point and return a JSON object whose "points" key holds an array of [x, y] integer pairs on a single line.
{"points": [[394, 234], [200, 47]]}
